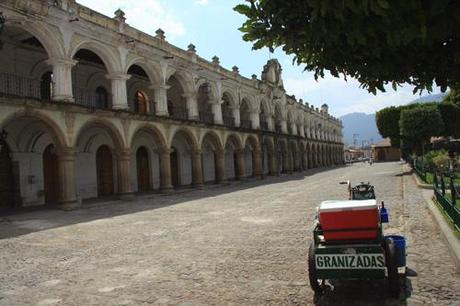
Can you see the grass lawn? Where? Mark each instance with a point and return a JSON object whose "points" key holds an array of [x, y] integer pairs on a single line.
{"points": [[429, 179]]}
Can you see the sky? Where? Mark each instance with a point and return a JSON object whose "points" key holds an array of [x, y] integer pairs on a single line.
{"points": [[212, 26]]}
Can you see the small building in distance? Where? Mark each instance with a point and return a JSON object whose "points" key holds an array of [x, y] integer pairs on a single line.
{"points": [[383, 151]]}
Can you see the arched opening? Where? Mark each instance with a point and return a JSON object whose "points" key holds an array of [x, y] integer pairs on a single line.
{"points": [[263, 117], [204, 104], [96, 163], [139, 91], [233, 167], [102, 98], [50, 175], [141, 103], [89, 80], [143, 170], [22, 62], [210, 147], [104, 170], [7, 179], [227, 110], [46, 86], [245, 114], [181, 159], [278, 118], [176, 101], [30, 159], [282, 157], [150, 141]]}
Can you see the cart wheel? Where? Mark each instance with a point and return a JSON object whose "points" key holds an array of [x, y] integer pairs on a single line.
{"points": [[314, 282], [392, 268]]}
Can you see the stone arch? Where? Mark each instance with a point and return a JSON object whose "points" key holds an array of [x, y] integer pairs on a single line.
{"points": [[251, 152], [282, 155], [233, 157], [184, 165], [245, 113], [47, 37], [152, 72], [213, 138], [106, 125], [111, 61], [184, 78], [229, 103], [155, 132]]}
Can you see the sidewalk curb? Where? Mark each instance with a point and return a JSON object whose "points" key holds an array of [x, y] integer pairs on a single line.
{"points": [[421, 184], [453, 242]]}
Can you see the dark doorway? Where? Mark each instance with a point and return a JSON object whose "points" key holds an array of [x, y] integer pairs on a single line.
{"points": [[50, 175], [6, 177], [174, 168], [236, 169], [102, 98], [143, 170], [104, 168], [381, 155]]}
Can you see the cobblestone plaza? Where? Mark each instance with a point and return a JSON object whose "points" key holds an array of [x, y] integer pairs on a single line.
{"points": [[240, 243]]}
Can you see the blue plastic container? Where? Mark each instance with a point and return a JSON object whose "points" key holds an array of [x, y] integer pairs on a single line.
{"points": [[383, 215], [400, 246]]}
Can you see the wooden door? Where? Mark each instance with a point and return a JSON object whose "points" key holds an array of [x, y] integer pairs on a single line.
{"points": [[104, 168], [6, 178], [50, 175], [143, 170], [174, 168]]}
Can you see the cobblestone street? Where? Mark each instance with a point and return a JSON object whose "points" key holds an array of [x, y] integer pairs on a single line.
{"points": [[241, 244]]}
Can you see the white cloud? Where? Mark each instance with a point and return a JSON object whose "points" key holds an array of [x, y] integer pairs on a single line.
{"points": [[146, 16], [202, 2]]}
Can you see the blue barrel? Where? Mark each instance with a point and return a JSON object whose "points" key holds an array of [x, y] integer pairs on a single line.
{"points": [[400, 246]]}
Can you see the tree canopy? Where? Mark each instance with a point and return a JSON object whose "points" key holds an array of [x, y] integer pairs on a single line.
{"points": [[376, 42]]}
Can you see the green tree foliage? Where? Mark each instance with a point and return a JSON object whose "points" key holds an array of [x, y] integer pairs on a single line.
{"points": [[387, 121], [377, 42], [450, 113], [453, 97], [419, 124]]}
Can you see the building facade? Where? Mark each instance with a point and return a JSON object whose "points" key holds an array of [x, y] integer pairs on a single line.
{"points": [[91, 107], [383, 151]]}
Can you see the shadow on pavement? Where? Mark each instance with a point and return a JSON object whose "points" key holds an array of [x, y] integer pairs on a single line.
{"points": [[34, 219]]}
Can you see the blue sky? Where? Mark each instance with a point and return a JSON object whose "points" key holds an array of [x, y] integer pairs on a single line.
{"points": [[212, 26]]}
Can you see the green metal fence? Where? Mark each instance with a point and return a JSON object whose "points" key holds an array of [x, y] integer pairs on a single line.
{"points": [[447, 196]]}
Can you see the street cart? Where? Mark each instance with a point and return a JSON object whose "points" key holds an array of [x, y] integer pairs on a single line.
{"points": [[348, 243]]}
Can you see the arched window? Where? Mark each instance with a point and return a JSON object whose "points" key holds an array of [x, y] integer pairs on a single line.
{"points": [[140, 102], [102, 100], [46, 86]]}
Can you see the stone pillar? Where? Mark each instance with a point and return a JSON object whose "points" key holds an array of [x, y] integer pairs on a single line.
{"points": [[119, 96], [62, 79], [220, 165], [161, 99], [258, 166], [67, 187], [192, 105], [217, 112], [165, 170], [236, 115], [284, 129], [124, 185], [255, 120], [241, 167], [197, 169]]}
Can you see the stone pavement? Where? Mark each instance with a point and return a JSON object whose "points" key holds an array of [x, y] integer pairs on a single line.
{"points": [[238, 244]]}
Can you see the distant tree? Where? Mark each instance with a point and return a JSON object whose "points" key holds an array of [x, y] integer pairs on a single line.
{"points": [[387, 121], [419, 124], [453, 97], [377, 42]]}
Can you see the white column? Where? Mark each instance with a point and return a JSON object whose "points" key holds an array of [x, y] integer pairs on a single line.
{"points": [[62, 79], [119, 96], [217, 112], [236, 115], [161, 99], [255, 120], [192, 105]]}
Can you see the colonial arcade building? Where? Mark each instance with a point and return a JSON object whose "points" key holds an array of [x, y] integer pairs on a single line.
{"points": [[91, 107]]}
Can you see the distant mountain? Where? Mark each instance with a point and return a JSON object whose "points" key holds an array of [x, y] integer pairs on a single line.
{"points": [[429, 98], [361, 124]]}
